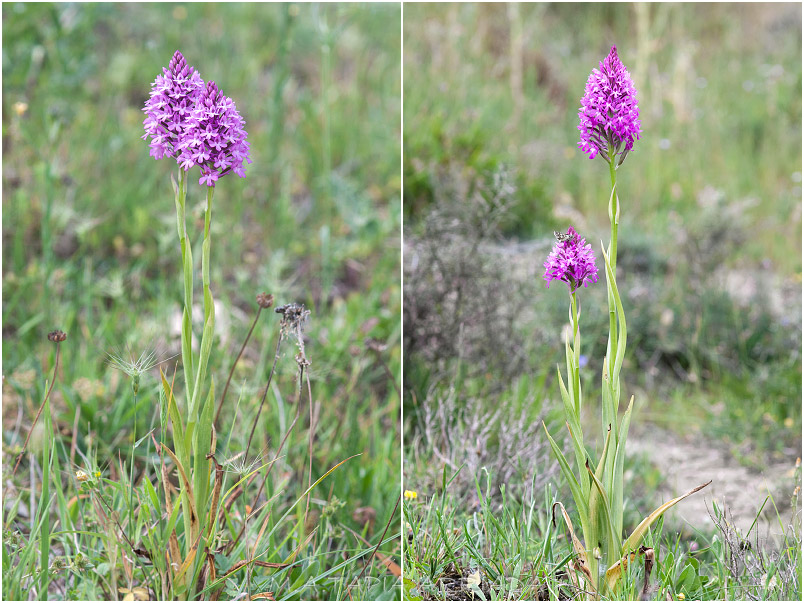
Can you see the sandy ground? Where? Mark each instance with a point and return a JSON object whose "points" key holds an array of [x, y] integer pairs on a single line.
{"points": [[688, 463]]}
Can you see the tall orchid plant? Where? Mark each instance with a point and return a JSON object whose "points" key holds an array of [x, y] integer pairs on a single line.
{"points": [[196, 125], [609, 126]]}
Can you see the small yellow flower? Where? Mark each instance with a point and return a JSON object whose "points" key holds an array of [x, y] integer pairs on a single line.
{"points": [[681, 597], [411, 494], [20, 108], [81, 475], [788, 422]]}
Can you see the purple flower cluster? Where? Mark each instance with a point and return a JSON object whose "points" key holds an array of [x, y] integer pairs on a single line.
{"points": [[571, 261], [173, 96], [214, 138], [609, 115], [196, 124]]}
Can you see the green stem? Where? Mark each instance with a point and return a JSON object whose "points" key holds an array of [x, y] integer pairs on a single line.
{"points": [[131, 527], [614, 218], [187, 266], [44, 530], [326, 76], [199, 424], [209, 315], [182, 451], [588, 524], [576, 348]]}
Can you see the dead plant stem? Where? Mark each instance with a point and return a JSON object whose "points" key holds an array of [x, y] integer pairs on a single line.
{"points": [[234, 364], [39, 412], [264, 394]]}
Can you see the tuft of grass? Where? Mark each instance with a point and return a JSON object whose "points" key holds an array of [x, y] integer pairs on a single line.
{"points": [[509, 549]]}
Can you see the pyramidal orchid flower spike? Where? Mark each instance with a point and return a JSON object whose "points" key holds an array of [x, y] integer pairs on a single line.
{"points": [[173, 96], [571, 260], [609, 125], [609, 115], [214, 138]]}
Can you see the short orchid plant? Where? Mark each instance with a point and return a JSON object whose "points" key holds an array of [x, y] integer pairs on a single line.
{"points": [[609, 126], [194, 124]]}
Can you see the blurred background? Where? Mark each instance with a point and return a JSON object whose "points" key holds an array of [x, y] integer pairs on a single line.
{"points": [[709, 245], [90, 244]]}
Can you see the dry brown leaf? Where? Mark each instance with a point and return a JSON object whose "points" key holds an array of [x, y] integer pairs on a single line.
{"points": [[581, 564], [474, 579]]}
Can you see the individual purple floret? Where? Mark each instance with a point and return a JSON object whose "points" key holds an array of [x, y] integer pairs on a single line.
{"points": [[609, 114], [173, 96], [571, 261], [214, 138]]}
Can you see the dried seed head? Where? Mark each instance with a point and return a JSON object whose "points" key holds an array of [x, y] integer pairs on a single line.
{"points": [[239, 465], [264, 300], [125, 362], [293, 316], [57, 336]]}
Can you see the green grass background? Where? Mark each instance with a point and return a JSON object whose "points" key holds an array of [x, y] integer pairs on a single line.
{"points": [[90, 246]]}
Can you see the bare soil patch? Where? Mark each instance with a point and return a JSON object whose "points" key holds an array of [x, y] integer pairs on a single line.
{"points": [[691, 461]]}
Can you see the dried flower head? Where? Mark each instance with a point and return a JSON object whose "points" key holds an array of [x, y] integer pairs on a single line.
{"points": [[571, 261], [293, 316], [214, 138], [57, 336], [239, 465], [173, 97], [609, 115], [264, 300]]}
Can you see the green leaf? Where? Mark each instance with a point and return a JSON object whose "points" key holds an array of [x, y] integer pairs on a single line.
{"points": [[599, 495], [142, 439], [575, 488], [187, 353], [190, 508], [203, 435], [206, 348], [575, 429], [149, 489], [175, 418], [205, 247], [615, 480], [570, 360], [621, 339]]}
